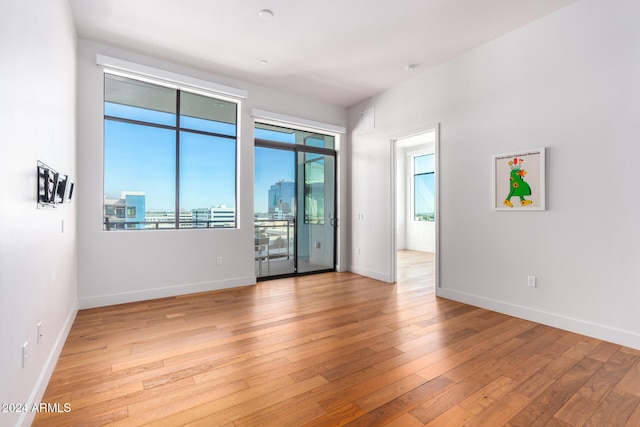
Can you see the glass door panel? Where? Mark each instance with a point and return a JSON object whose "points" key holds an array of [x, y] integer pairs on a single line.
{"points": [[316, 212], [274, 212]]}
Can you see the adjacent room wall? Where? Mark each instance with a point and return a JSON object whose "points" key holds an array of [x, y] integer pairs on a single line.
{"points": [[420, 235], [568, 82], [125, 266], [37, 246], [403, 205], [411, 235]]}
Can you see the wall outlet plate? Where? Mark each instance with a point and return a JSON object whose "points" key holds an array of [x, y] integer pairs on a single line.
{"points": [[25, 353], [40, 332]]}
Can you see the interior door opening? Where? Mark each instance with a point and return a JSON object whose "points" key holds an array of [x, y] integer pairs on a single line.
{"points": [[415, 240]]}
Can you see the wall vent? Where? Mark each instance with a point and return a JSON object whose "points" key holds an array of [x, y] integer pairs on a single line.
{"points": [[367, 121]]}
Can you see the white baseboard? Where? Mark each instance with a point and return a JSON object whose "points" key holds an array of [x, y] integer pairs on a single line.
{"points": [[594, 330], [27, 417], [384, 277], [169, 291]]}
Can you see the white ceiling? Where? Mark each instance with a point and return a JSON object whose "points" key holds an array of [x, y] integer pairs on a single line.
{"points": [[336, 51]]}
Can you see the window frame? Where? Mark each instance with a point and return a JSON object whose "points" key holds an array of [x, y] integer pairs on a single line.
{"points": [[411, 156], [177, 129]]}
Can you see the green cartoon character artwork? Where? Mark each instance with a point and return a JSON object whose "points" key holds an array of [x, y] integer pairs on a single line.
{"points": [[517, 185]]}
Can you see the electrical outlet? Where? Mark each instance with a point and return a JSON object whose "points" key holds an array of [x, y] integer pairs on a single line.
{"points": [[531, 281], [25, 353], [219, 260], [358, 251], [40, 332]]}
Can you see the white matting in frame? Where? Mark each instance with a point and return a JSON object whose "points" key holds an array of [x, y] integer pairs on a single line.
{"points": [[519, 181]]}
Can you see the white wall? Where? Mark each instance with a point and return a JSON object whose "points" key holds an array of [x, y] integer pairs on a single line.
{"points": [[402, 197], [37, 256], [568, 82], [119, 267]]}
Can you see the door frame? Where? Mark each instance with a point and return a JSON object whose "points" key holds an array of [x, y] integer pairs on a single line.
{"points": [[393, 155], [333, 221]]}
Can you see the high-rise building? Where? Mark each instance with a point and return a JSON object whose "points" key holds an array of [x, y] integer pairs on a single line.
{"points": [[281, 199]]}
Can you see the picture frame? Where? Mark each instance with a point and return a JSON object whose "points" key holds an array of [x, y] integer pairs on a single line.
{"points": [[519, 181]]}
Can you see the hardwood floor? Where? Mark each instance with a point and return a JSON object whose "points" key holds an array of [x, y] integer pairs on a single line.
{"points": [[416, 268], [335, 349]]}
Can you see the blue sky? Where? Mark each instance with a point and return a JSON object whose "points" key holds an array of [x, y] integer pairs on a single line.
{"points": [[271, 166], [142, 158], [424, 182]]}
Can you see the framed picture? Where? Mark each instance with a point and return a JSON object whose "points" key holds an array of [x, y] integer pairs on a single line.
{"points": [[518, 181]]}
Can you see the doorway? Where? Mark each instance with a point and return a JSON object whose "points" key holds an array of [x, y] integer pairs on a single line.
{"points": [[295, 202], [415, 206]]}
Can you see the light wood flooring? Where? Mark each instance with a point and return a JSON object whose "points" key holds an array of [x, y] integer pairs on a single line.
{"points": [[335, 349]]}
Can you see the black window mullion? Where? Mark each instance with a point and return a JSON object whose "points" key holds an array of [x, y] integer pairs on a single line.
{"points": [[161, 126], [138, 122], [258, 142], [177, 207], [204, 132]]}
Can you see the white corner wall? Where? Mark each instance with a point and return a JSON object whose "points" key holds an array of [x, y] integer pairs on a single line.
{"points": [[117, 267], [37, 246], [568, 82]]}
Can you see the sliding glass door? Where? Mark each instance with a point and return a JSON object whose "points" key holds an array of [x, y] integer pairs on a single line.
{"points": [[275, 207], [294, 202], [315, 233]]}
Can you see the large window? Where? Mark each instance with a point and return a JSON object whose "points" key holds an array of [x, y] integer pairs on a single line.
{"points": [[424, 187], [169, 157]]}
